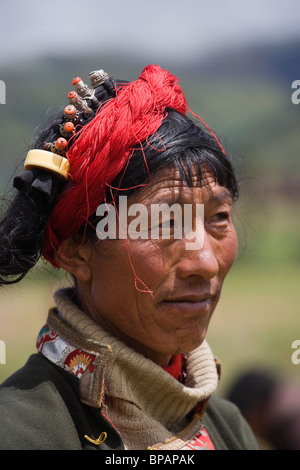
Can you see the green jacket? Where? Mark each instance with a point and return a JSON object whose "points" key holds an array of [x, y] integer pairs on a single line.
{"points": [[40, 409]]}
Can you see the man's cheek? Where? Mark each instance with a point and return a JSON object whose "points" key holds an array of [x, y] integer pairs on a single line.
{"points": [[228, 254]]}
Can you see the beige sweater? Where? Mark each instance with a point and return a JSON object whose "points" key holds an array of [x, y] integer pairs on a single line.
{"points": [[145, 403]]}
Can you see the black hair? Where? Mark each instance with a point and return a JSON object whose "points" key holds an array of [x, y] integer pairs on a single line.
{"points": [[179, 143]]}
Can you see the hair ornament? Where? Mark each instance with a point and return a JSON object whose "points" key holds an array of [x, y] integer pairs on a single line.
{"points": [[79, 103], [47, 182], [71, 114], [67, 129], [97, 78], [85, 92], [49, 161], [46, 169]]}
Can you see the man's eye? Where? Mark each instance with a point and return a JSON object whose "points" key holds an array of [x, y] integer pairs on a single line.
{"points": [[220, 219], [220, 216]]}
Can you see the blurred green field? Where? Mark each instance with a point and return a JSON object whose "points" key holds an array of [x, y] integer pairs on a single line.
{"points": [[255, 322]]}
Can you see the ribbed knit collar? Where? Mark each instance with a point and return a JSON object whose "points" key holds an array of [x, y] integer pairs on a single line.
{"points": [[138, 393]]}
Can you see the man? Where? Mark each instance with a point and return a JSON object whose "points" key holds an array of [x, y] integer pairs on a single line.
{"points": [[123, 362]]}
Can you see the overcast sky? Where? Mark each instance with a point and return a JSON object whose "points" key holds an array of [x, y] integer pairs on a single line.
{"points": [[167, 28]]}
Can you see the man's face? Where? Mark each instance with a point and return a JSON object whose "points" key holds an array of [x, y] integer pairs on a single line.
{"points": [[155, 294]]}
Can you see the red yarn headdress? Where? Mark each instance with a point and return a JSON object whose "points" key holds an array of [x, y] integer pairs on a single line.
{"points": [[104, 146]]}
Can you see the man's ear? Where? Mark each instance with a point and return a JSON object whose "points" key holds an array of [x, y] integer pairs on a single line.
{"points": [[75, 259]]}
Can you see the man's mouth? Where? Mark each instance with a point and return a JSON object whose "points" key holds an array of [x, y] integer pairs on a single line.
{"points": [[192, 302]]}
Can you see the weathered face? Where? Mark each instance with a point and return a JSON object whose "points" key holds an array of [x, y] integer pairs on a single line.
{"points": [[155, 294]]}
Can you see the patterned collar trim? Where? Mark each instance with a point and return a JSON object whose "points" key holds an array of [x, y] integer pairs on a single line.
{"points": [[86, 359]]}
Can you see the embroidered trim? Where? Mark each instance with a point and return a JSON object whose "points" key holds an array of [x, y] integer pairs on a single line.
{"points": [[58, 351], [85, 359], [201, 441]]}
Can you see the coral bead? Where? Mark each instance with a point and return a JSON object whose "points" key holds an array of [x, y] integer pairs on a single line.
{"points": [[69, 127], [72, 95], [76, 80], [61, 143], [70, 110]]}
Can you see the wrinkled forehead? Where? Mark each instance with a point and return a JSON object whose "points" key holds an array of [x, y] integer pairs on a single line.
{"points": [[169, 186]]}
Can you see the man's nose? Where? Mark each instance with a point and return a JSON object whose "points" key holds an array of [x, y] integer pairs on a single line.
{"points": [[200, 261]]}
